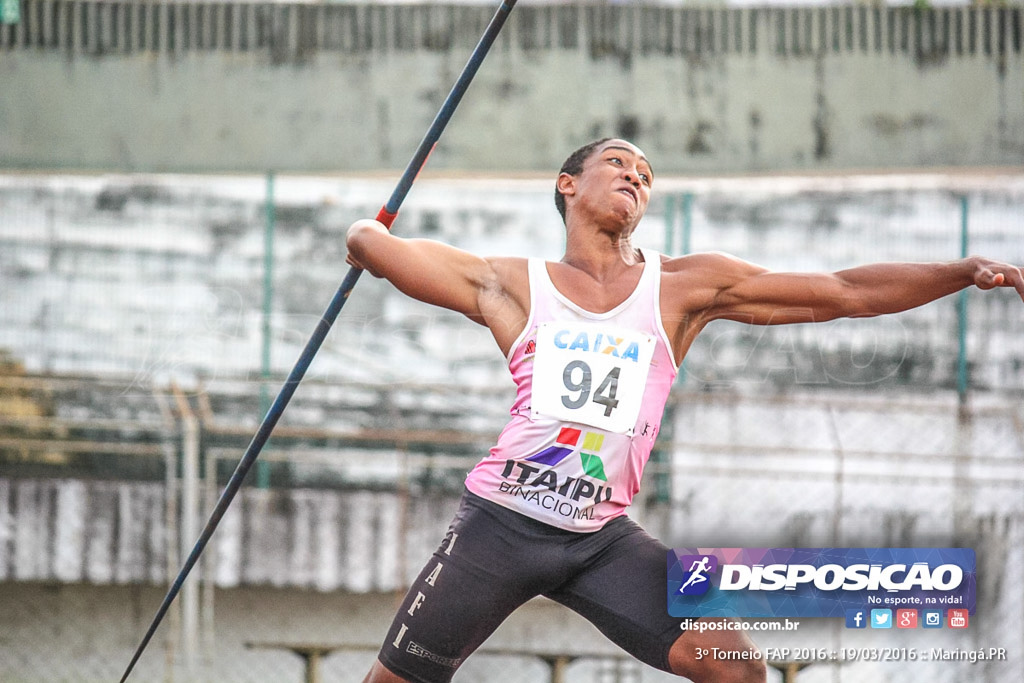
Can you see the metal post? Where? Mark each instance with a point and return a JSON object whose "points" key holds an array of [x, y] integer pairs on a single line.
{"points": [[208, 586], [263, 467], [961, 374], [659, 457], [189, 525], [189, 528], [670, 225], [687, 229], [169, 445], [962, 489], [10, 12], [687, 221]]}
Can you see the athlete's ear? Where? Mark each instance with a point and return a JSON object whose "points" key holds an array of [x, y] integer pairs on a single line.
{"points": [[566, 184]]}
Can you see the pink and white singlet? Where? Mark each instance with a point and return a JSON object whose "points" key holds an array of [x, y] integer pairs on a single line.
{"points": [[591, 392]]}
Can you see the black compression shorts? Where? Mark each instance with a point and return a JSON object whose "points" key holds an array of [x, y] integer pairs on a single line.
{"points": [[493, 560]]}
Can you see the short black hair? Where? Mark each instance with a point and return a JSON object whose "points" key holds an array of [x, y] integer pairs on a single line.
{"points": [[574, 166]]}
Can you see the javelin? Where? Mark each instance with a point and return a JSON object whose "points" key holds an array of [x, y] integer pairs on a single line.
{"points": [[386, 216]]}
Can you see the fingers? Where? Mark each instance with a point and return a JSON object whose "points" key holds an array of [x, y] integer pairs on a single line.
{"points": [[984, 277], [992, 273], [1000, 275], [1010, 277], [989, 279], [350, 260], [1017, 281]]}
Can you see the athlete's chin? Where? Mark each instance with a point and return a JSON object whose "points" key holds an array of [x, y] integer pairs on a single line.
{"points": [[630, 222], [627, 216]]}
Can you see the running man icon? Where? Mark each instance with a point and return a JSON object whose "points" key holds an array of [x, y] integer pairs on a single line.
{"points": [[699, 569]]}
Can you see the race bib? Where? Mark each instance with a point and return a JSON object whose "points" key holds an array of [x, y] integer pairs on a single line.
{"points": [[586, 373]]}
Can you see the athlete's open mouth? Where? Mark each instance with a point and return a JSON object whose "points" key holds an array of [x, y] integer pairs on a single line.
{"points": [[631, 192]]}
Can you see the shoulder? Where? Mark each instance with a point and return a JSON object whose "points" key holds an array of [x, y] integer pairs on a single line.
{"points": [[695, 283], [509, 269], [709, 266]]}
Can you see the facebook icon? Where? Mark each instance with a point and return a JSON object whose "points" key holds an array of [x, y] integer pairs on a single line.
{"points": [[856, 618]]}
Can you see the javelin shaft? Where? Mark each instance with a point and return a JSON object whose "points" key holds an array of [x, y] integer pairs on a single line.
{"points": [[387, 216]]}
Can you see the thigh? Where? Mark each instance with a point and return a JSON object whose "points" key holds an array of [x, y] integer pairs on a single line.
{"points": [[622, 590], [474, 580]]}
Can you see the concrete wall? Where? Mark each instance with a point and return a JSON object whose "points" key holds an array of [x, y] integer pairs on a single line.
{"points": [[148, 86], [161, 277]]}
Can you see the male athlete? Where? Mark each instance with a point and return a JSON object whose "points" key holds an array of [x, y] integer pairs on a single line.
{"points": [[593, 343]]}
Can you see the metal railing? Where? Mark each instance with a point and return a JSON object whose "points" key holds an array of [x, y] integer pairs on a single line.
{"points": [[295, 31]]}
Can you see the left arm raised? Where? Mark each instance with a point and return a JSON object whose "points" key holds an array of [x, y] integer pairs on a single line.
{"points": [[754, 295]]}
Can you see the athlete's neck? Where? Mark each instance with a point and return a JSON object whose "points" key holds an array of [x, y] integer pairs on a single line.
{"points": [[602, 260]]}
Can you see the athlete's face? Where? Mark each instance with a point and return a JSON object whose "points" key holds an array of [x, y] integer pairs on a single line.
{"points": [[616, 180]]}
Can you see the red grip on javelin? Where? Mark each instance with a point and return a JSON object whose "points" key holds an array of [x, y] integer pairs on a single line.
{"points": [[386, 217]]}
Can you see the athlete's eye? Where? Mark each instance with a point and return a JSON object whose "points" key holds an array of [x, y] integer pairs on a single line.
{"points": [[646, 178]]}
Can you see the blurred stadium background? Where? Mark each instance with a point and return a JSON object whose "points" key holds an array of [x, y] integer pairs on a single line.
{"points": [[175, 182]]}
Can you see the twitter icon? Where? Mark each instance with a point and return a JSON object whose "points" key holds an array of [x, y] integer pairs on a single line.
{"points": [[881, 618]]}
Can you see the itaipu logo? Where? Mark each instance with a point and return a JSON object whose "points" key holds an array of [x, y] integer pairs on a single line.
{"points": [[697, 580], [566, 443]]}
